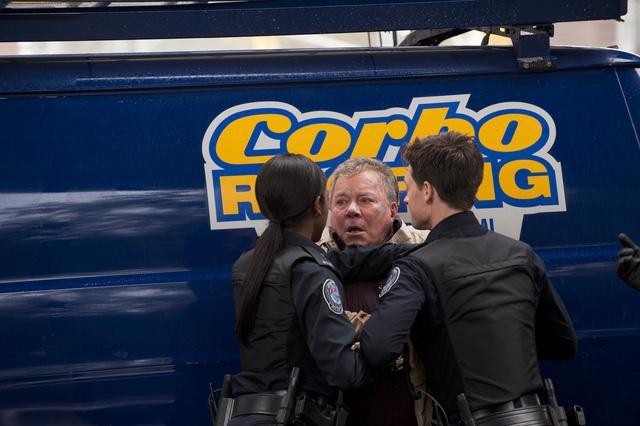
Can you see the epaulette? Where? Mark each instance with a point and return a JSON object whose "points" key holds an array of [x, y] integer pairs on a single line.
{"points": [[320, 258]]}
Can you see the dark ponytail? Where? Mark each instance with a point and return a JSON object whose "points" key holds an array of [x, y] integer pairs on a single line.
{"points": [[286, 187]]}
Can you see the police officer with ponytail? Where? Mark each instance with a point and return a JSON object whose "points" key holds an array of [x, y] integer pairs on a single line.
{"points": [[289, 312]]}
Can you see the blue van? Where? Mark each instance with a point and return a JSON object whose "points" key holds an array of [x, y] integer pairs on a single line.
{"points": [[125, 185]]}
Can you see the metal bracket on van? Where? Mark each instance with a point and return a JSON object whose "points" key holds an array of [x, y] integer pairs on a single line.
{"points": [[531, 45]]}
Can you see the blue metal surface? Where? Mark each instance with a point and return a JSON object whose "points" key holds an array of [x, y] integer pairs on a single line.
{"points": [[279, 17], [77, 74], [115, 304]]}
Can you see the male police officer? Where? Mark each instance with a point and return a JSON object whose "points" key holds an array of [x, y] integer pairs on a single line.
{"points": [[479, 306]]}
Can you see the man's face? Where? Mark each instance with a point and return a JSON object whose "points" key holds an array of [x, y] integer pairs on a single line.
{"points": [[415, 200], [360, 211]]}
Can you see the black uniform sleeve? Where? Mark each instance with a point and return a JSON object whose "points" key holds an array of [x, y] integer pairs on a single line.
{"points": [[385, 333], [328, 332], [555, 335], [367, 263]]}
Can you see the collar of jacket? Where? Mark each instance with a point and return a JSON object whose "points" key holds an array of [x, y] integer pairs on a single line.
{"points": [[463, 224]]}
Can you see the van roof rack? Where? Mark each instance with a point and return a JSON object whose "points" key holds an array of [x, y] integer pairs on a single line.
{"points": [[145, 19], [531, 44]]}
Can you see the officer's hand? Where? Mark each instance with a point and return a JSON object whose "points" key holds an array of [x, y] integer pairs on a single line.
{"points": [[629, 262], [358, 319]]}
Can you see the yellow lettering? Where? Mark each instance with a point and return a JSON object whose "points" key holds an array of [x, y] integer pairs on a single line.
{"points": [[537, 179], [372, 136], [510, 132], [433, 120], [487, 190], [400, 173], [233, 142], [328, 140], [235, 190]]}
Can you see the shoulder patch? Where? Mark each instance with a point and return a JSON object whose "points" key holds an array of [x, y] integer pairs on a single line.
{"points": [[331, 294], [391, 280]]}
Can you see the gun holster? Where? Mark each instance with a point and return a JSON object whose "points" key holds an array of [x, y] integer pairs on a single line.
{"points": [[221, 412], [557, 414], [211, 402], [311, 412], [225, 408]]}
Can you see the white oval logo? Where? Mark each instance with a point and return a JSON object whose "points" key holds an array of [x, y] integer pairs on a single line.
{"points": [[331, 294]]}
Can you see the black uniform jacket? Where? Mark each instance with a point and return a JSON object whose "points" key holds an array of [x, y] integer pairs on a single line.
{"points": [[300, 319], [480, 310]]}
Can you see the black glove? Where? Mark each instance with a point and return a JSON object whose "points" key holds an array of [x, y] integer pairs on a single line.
{"points": [[629, 262]]}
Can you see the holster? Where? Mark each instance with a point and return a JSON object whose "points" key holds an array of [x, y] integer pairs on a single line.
{"points": [[211, 401], [225, 409], [222, 411], [557, 415], [310, 412]]}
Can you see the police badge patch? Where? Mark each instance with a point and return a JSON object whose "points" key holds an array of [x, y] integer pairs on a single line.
{"points": [[331, 295], [391, 280]]}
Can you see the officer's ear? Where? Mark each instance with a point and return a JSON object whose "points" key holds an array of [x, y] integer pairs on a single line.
{"points": [[427, 191], [319, 204]]}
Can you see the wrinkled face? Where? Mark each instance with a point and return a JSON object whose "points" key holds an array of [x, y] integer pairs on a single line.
{"points": [[360, 211], [416, 202]]}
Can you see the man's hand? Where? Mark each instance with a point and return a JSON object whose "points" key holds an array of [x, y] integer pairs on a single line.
{"points": [[629, 262], [358, 319]]}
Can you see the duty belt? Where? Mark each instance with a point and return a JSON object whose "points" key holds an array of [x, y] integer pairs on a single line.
{"points": [[309, 409], [527, 406], [529, 400], [258, 403]]}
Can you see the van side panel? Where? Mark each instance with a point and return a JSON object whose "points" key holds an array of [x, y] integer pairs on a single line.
{"points": [[120, 218]]}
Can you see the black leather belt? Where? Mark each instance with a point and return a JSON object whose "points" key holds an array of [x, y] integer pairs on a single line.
{"points": [[258, 403], [529, 400]]}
